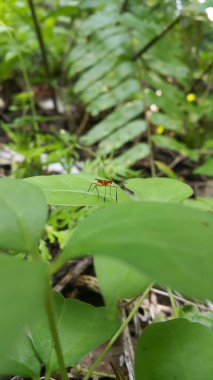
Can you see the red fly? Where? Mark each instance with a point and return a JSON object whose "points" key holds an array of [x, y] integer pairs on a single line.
{"points": [[105, 183]]}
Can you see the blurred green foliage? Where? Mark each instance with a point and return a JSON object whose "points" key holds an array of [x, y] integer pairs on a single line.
{"points": [[111, 63]]}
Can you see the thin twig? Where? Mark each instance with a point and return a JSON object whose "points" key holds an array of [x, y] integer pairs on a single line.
{"points": [[73, 273], [127, 344], [43, 50], [149, 137], [83, 124], [96, 373], [172, 301], [181, 299]]}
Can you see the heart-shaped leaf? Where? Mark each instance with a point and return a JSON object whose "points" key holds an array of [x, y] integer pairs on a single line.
{"points": [[81, 328], [118, 280], [159, 189], [76, 190], [22, 217], [176, 349], [22, 360], [170, 243]]}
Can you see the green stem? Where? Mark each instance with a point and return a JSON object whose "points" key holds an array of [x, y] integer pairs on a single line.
{"points": [[54, 331], [43, 49], [97, 373], [35, 256], [173, 304], [26, 80], [47, 374], [117, 334]]}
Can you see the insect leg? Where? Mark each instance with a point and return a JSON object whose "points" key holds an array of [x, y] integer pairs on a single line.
{"points": [[110, 186], [92, 184], [96, 187], [116, 193], [104, 193]]}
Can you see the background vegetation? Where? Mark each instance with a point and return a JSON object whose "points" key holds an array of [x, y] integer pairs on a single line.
{"points": [[121, 90]]}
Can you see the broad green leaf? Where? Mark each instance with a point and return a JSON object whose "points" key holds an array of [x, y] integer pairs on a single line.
{"points": [[201, 203], [176, 349], [118, 280], [122, 136], [112, 122], [22, 287], [22, 360], [170, 243], [206, 168], [159, 189], [72, 190], [81, 328], [22, 217], [170, 143]]}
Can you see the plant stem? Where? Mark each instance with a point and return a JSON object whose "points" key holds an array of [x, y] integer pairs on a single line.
{"points": [[156, 38], [173, 304], [124, 6], [26, 80], [35, 255], [117, 334], [147, 119], [47, 374], [98, 373], [43, 50], [54, 330]]}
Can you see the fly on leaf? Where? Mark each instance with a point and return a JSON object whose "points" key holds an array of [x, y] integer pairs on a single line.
{"points": [[104, 183]]}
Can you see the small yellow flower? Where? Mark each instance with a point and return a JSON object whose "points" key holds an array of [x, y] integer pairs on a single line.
{"points": [[191, 97], [160, 129]]}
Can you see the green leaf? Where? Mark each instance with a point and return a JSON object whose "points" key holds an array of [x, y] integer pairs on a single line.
{"points": [[112, 79], [165, 169], [112, 122], [191, 313], [170, 243], [67, 10], [167, 122], [159, 189], [81, 328], [206, 168], [22, 360], [201, 203], [175, 349], [130, 156], [72, 190], [21, 296], [120, 93], [100, 20], [23, 216], [95, 73], [170, 143], [124, 280], [122, 136]]}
